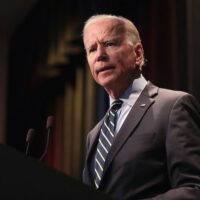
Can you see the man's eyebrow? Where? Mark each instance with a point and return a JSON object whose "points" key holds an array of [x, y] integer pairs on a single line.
{"points": [[90, 47]]}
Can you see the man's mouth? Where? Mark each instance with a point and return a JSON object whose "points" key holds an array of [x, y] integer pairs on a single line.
{"points": [[104, 69]]}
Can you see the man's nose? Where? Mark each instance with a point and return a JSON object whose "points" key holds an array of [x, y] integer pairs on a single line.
{"points": [[101, 54]]}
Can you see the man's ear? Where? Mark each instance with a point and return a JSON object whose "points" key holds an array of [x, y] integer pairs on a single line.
{"points": [[139, 53]]}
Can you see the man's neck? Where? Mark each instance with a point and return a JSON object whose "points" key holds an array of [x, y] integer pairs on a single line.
{"points": [[119, 88]]}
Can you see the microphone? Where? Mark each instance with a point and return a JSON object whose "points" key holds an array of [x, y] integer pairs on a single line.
{"points": [[29, 138], [49, 127]]}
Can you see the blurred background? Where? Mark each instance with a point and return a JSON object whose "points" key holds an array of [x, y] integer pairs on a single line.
{"points": [[43, 69]]}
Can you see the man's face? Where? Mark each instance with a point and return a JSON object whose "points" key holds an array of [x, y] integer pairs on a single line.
{"points": [[111, 58]]}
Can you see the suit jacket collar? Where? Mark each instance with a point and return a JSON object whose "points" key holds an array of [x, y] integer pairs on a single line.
{"points": [[139, 109]]}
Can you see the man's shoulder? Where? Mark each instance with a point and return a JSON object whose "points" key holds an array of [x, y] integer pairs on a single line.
{"points": [[168, 95], [166, 91]]}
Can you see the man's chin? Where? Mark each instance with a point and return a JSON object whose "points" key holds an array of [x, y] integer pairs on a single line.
{"points": [[107, 83]]}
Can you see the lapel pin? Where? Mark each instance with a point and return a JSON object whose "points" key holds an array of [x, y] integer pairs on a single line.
{"points": [[142, 105]]}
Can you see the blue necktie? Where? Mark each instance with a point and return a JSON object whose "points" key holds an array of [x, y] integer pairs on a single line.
{"points": [[105, 140]]}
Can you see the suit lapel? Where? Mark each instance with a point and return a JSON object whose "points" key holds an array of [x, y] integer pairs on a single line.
{"points": [[139, 109]]}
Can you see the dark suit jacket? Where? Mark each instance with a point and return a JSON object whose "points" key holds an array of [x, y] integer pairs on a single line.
{"points": [[156, 154]]}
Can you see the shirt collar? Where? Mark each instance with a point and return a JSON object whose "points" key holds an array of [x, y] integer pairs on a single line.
{"points": [[132, 92]]}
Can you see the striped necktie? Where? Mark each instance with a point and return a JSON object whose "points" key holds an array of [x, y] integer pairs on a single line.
{"points": [[106, 138]]}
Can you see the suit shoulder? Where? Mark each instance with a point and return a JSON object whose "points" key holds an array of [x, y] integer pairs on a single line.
{"points": [[173, 93], [169, 94], [166, 91], [182, 97]]}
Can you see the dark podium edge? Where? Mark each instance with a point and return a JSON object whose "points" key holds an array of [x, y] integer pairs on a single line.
{"points": [[23, 177]]}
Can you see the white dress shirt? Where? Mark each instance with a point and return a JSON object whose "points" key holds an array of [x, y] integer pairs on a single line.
{"points": [[129, 98]]}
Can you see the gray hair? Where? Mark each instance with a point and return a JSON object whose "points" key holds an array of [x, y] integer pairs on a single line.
{"points": [[131, 31]]}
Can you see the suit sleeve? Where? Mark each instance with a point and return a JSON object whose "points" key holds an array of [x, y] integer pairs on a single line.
{"points": [[183, 150]]}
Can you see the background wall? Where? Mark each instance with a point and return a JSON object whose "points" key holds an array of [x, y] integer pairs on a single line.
{"points": [[3, 84], [193, 45], [11, 15]]}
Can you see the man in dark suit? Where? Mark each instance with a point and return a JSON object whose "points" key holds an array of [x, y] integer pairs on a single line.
{"points": [[155, 152]]}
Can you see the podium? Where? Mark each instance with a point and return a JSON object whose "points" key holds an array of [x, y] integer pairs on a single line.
{"points": [[23, 177]]}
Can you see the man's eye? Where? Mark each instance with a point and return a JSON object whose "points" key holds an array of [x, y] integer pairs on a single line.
{"points": [[92, 50], [109, 44]]}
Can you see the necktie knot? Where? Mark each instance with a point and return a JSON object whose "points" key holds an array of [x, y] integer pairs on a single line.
{"points": [[116, 105]]}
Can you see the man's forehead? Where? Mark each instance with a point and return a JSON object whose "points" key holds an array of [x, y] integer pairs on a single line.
{"points": [[109, 24], [103, 39], [104, 29]]}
